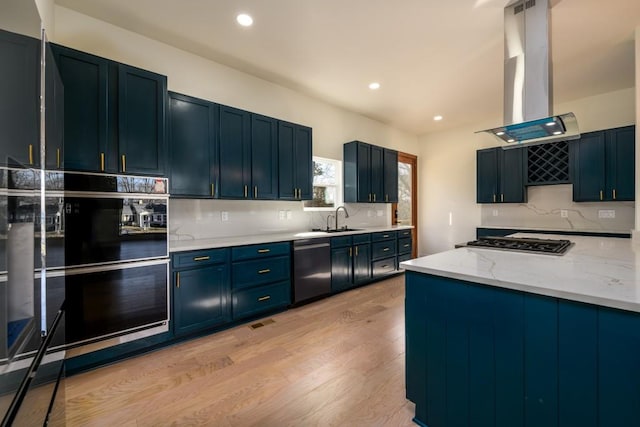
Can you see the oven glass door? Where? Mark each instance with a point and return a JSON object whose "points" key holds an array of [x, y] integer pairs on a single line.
{"points": [[115, 300], [100, 230]]}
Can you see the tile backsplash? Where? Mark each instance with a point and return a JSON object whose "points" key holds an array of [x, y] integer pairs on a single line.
{"points": [[551, 207], [205, 218]]}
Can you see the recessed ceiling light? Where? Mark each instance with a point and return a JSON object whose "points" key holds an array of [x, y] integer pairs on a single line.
{"points": [[244, 20], [374, 86], [437, 118]]}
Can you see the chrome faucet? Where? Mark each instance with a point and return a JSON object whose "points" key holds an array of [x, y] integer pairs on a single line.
{"points": [[346, 214]]}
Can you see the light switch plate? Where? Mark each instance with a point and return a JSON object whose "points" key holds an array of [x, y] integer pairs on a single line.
{"points": [[282, 214], [224, 216], [564, 213], [289, 214]]}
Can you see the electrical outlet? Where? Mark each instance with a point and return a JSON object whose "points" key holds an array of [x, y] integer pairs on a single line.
{"points": [[564, 213], [282, 215], [289, 214], [495, 212], [224, 215], [606, 213]]}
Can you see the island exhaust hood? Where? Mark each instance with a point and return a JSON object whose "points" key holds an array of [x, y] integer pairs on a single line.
{"points": [[527, 79]]}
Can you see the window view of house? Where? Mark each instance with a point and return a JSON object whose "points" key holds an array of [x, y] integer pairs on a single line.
{"points": [[327, 184]]}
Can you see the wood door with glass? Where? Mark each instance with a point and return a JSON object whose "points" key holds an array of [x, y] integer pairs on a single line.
{"points": [[405, 211]]}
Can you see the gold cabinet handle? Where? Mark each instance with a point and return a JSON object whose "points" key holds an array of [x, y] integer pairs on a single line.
{"points": [[601, 195], [406, 246], [201, 258], [58, 157], [246, 191], [614, 194], [178, 280], [385, 236], [30, 154], [502, 197], [350, 252], [356, 251], [385, 249], [213, 190], [494, 198], [374, 197], [255, 192], [124, 163], [369, 196], [386, 198], [264, 298], [264, 251], [102, 162], [265, 271]]}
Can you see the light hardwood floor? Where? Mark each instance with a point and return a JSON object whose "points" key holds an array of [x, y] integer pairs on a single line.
{"points": [[335, 362]]}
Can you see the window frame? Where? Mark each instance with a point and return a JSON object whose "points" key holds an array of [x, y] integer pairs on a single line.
{"points": [[339, 198]]}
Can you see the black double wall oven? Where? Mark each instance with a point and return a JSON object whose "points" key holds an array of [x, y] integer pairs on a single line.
{"points": [[114, 258]]}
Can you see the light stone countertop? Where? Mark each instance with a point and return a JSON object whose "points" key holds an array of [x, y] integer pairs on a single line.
{"points": [[224, 242], [598, 270]]}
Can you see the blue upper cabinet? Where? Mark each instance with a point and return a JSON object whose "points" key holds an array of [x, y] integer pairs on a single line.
{"points": [[295, 173], [234, 153], [86, 120], [500, 175], [390, 166], [192, 146], [141, 113], [19, 105], [370, 173], [603, 164], [114, 115], [264, 157]]}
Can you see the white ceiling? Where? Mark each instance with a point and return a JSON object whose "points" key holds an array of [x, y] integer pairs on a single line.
{"points": [[431, 57]]}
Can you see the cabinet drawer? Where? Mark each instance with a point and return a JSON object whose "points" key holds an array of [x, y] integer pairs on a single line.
{"points": [[404, 233], [248, 302], [341, 241], [383, 249], [361, 238], [383, 266], [193, 258], [403, 257], [404, 245], [384, 235], [260, 271], [260, 251]]}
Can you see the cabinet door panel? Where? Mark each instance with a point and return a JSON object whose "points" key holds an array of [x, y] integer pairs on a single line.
{"points": [[620, 156], [390, 176], [362, 263], [200, 301], [85, 80], [264, 157], [363, 163], [141, 118], [487, 176], [19, 108], [512, 176], [191, 146], [54, 114], [234, 153], [286, 172], [377, 174], [303, 162], [341, 268], [589, 170]]}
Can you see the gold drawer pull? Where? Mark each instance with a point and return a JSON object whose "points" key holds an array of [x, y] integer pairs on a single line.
{"points": [[264, 251], [178, 280], [201, 258], [264, 298], [266, 270]]}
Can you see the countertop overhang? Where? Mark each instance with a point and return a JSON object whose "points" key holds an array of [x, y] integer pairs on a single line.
{"points": [[603, 271], [224, 242]]}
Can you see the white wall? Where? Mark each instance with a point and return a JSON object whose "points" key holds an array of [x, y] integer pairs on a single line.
{"points": [[448, 174]]}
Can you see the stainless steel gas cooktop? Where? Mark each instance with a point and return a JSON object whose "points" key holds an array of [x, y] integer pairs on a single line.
{"points": [[523, 244]]}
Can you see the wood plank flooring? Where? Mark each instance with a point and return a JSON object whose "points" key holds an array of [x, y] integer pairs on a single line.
{"points": [[335, 362]]}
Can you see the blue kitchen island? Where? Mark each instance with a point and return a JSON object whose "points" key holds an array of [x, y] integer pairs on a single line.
{"points": [[498, 338]]}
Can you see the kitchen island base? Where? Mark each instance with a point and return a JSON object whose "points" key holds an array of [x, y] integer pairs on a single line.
{"points": [[479, 355]]}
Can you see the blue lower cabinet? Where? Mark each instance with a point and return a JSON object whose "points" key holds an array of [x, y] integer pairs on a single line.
{"points": [[249, 302], [483, 356], [201, 290], [260, 271]]}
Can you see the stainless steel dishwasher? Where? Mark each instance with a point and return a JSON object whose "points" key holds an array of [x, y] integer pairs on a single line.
{"points": [[311, 268]]}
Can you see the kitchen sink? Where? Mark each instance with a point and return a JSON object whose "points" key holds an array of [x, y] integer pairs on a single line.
{"points": [[339, 230]]}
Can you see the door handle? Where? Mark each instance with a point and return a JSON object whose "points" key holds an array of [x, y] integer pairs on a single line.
{"points": [[502, 198], [124, 163], [102, 162], [601, 195], [255, 192], [213, 190], [246, 191], [58, 157], [614, 194], [178, 280], [266, 270], [201, 258], [264, 298], [30, 154], [264, 251], [494, 198], [350, 252]]}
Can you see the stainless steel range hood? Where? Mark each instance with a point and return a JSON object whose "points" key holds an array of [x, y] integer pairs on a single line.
{"points": [[527, 79]]}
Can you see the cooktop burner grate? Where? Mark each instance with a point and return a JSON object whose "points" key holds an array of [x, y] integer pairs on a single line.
{"points": [[524, 244]]}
